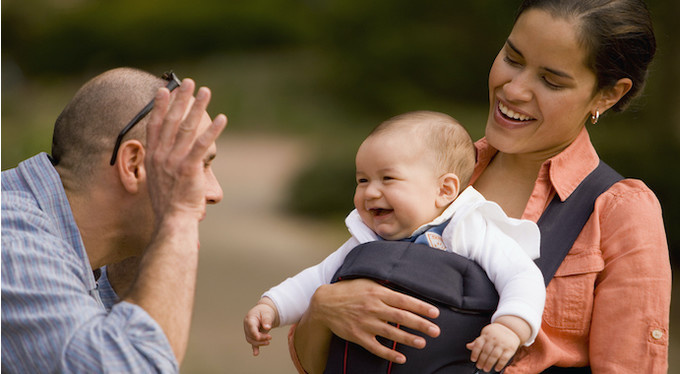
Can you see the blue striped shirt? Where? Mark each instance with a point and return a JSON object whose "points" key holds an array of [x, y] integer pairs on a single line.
{"points": [[53, 318]]}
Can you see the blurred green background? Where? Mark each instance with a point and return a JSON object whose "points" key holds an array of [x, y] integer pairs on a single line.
{"points": [[326, 71]]}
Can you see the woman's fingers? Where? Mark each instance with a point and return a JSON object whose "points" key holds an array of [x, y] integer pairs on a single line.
{"points": [[359, 310], [407, 311]]}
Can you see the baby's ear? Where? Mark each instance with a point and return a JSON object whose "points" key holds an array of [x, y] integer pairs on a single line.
{"points": [[449, 185]]}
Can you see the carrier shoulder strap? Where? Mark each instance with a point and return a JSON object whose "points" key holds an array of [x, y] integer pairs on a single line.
{"points": [[562, 222]]}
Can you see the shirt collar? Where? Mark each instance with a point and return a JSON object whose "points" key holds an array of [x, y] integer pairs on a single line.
{"points": [[363, 234], [45, 183], [565, 171]]}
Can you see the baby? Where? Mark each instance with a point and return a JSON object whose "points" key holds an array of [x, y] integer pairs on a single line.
{"points": [[410, 172]]}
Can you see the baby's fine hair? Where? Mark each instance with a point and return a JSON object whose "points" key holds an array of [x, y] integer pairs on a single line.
{"points": [[452, 146]]}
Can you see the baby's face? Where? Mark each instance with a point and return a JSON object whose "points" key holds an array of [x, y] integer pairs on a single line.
{"points": [[397, 185]]}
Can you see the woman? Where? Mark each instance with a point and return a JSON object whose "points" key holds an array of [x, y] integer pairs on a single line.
{"points": [[565, 63]]}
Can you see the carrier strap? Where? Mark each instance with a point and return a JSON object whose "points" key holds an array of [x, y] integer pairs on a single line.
{"points": [[562, 221]]}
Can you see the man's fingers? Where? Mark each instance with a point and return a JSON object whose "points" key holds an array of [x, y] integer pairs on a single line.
{"points": [[175, 113], [207, 138], [160, 107], [186, 132]]}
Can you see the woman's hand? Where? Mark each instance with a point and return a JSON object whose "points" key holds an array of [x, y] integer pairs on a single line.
{"points": [[358, 311]]}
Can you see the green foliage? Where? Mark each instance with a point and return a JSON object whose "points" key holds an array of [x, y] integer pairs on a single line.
{"points": [[326, 188], [387, 54], [90, 34], [327, 69]]}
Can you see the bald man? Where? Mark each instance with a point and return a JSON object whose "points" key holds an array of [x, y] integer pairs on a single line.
{"points": [[109, 194]]}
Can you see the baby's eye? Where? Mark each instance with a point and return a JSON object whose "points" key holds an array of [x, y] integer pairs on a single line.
{"points": [[361, 180], [387, 178]]}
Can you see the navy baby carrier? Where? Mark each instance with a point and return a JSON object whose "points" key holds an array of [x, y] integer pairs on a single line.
{"points": [[459, 287]]}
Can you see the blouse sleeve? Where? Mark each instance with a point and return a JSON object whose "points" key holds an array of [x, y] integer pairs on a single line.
{"points": [[629, 330]]}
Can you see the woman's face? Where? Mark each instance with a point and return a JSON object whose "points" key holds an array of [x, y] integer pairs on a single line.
{"points": [[540, 89]]}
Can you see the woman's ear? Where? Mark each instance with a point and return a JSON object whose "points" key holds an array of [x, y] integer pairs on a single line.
{"points": [[449, 185], [612, 95], [130, 165]]}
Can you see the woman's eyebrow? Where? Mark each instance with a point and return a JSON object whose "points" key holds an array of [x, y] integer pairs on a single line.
{"points": [[556, 72], [514, 49]]}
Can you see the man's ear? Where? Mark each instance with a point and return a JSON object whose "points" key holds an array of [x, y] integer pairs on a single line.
{"points": [[449, 185], [130, 165], [612, 95]]}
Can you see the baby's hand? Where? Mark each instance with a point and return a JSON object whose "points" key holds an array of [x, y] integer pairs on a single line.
{"points": [[258, 322], [495, 346]]}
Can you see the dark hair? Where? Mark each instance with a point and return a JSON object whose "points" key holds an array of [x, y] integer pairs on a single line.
{"points": [[618, 37]]}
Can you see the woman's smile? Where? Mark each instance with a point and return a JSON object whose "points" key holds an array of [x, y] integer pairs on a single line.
{"points": [[509, 118]]}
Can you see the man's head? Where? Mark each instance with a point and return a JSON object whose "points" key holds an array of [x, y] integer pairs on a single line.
{"points": [[409, 169], [111, 203], [87, 128]]}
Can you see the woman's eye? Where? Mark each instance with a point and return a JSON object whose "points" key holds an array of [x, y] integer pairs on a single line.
{"points": [[551, 85], [510, 61]]}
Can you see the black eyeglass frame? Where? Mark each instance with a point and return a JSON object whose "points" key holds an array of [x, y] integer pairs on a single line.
{"points": [[173, 82]]}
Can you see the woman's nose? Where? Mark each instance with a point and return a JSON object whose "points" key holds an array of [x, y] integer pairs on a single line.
{"points": [[518, 88]]}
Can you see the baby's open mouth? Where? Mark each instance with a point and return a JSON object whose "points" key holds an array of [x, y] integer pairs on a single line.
{"points": [[377, 212]]}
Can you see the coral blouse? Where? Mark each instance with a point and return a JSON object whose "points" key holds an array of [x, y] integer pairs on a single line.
{"points": [[608, 304]]}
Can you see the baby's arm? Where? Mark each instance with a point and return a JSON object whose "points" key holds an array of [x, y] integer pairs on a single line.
{"points": [[291, 297], [498, 342], [286, 302], [500, 245], [258, 322]]}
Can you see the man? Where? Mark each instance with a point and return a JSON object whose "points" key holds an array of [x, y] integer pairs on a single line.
{"points": [[109, 193]]}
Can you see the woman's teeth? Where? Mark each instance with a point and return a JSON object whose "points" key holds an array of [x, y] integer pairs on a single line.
{"points": [[512, 114]]}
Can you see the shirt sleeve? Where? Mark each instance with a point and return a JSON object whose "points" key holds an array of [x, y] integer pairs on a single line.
{"points": [[293, 295], [516, 277], [50, 320], [631, 307]]}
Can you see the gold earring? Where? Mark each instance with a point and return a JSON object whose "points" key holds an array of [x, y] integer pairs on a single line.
{"points": [[595, 117]]}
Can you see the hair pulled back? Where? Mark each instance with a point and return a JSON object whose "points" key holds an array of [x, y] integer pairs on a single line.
{"points": [[618, 37]]}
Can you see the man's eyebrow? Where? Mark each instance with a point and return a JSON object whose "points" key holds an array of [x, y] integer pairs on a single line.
{"points": [[556, 72]]}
